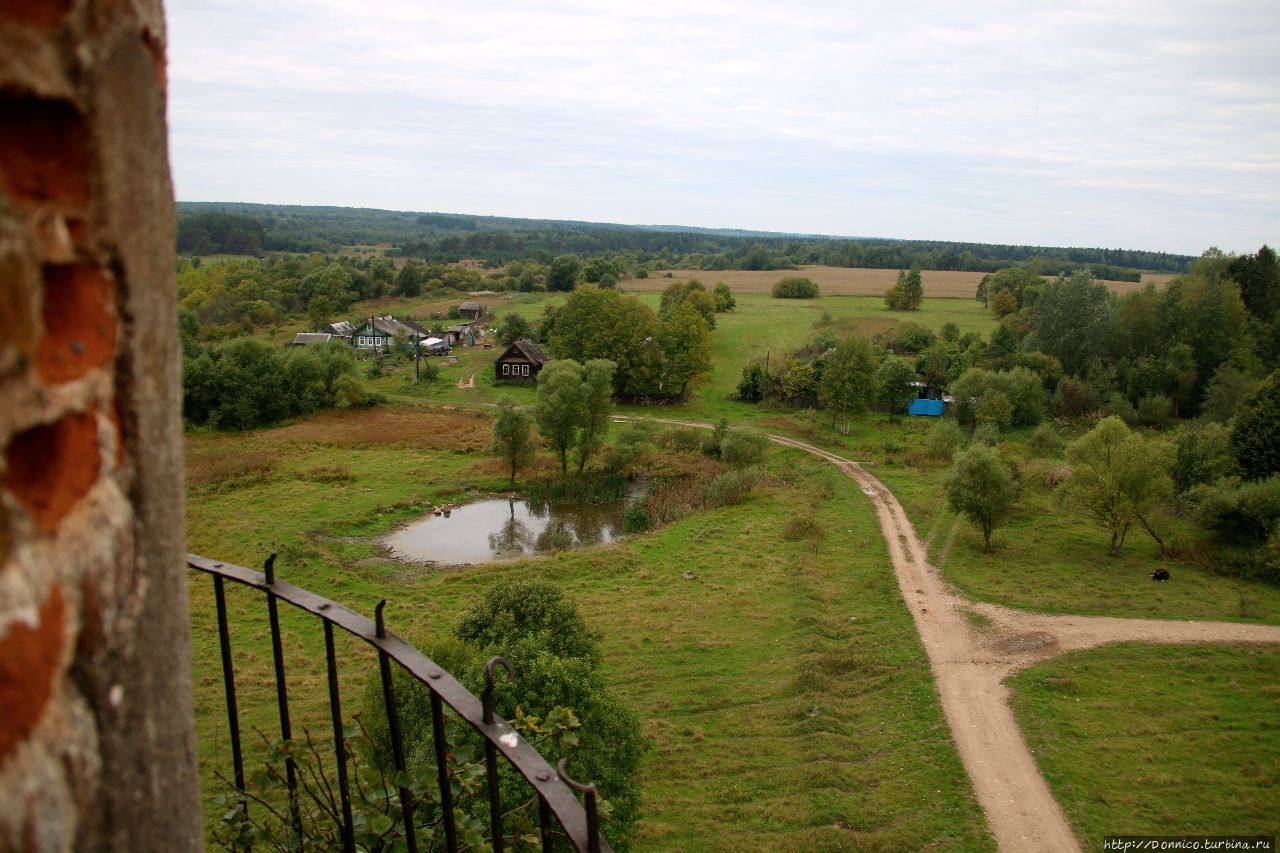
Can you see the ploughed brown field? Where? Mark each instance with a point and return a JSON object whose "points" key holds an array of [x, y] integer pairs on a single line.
{"points": [[845, 281]]}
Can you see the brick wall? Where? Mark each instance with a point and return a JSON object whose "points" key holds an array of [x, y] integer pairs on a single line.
{"points": [[96, 744]]}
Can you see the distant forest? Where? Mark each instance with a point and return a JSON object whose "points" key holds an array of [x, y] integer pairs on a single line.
{"points": [[206, 228]]}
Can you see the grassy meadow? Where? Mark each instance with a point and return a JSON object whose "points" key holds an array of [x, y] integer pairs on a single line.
{"points": [[779, 722], [1142, 740], [796, 712]]}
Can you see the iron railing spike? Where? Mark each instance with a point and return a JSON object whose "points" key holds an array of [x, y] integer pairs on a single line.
{"points": [[486, 698]]}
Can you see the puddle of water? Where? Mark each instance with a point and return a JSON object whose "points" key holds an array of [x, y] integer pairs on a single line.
{"points": [[504, 529]]}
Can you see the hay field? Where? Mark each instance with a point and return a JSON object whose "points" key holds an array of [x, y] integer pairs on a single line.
{"points": [[845, 281]]}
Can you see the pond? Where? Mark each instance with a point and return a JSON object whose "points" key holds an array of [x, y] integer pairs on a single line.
{"points": [[506, 529]]}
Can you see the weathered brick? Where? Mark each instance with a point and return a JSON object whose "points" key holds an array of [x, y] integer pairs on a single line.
{"points": [[52, 466], [42, 14], [44, 153], [29, 656], [80, 321]]}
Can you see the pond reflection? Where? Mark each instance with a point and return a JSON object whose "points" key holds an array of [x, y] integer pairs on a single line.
{"points": [[506, 529]]}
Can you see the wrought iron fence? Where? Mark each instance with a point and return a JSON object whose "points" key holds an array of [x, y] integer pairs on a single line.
{"points": [[556, 791]]}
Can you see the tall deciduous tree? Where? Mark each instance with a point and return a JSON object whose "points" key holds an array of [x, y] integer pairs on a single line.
{"points": [[1255, 437], [565, 273], [559, 410], [685, 340], [896, 378], [1071, 320], [597, 405], [512, 439], [848, 384], [1117, 478], [908, 293], [980, 487]]}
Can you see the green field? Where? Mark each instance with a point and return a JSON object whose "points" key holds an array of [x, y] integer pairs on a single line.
{"points": [[1140, 740], [779, 722]]}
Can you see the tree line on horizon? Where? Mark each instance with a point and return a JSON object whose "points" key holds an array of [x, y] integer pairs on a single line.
{"points": [[449, 238]]}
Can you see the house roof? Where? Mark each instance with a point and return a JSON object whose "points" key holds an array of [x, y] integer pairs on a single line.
{"points": [[391, 326], [529, 350], [461, 328], [470, 306], [304, 338], [342, 328], [416, 326]]}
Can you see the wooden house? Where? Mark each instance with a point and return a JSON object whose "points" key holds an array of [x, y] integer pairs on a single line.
{"points": [[379, 333], [471, 310], [520, 363]]}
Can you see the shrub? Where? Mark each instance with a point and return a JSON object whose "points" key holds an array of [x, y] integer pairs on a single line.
{"points": [[1072, 398], [987, 434], [803, 526], [1202, 454], [682, 439], [1045, 441], [994, 408], [795, 287], [1154, 410], [741, 448], [1118, 405], [908, 336], [1247, 513], [944, 439], [732, 487], [636, 519]]}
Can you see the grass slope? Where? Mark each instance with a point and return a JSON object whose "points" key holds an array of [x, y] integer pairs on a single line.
{"points": [[1139, 740], [779, 722]]}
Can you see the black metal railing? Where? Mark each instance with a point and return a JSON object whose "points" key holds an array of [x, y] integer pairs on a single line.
{"points": [[556, 791]]}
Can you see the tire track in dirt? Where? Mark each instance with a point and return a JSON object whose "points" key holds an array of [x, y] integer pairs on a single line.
{"points": [[970, 667]]}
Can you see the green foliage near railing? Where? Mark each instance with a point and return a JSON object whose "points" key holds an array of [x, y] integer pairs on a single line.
{"points": [[263, 818]]}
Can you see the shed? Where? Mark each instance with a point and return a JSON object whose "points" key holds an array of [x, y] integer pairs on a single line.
{"points": [[472, 310], [930, 408]]}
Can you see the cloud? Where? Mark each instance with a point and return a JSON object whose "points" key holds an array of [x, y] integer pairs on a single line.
{"points": [[747, 114]]}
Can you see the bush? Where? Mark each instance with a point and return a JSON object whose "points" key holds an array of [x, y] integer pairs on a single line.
{"points": [[908, 336], [995, 409], [682, 439], [741, 448], [795, 287], [636, 519], [944, 439], [1154, 410], [1045, 441], [732, 487], [1072, 398], [1118, 404], [987, 434], [1202, 454], [803, 526], [1237, 513]]}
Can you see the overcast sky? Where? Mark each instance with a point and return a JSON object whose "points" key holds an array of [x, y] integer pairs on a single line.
{"points": [[1137, 125]]}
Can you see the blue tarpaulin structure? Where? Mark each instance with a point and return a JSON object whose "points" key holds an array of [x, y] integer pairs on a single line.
{"points": [[932, 408]]}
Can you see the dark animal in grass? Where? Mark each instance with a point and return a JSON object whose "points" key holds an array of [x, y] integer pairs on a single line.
{"points": [[1160, 575]]}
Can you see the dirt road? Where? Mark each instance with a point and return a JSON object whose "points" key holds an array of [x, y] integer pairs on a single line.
{"points": [[970, 668]]}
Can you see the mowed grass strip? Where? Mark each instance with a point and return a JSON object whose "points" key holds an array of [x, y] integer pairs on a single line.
{"points": [[789, 700], [1141, 740]]}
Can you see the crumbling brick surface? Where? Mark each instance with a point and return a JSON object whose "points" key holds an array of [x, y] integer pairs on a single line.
{"points": [[96, 729]]}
